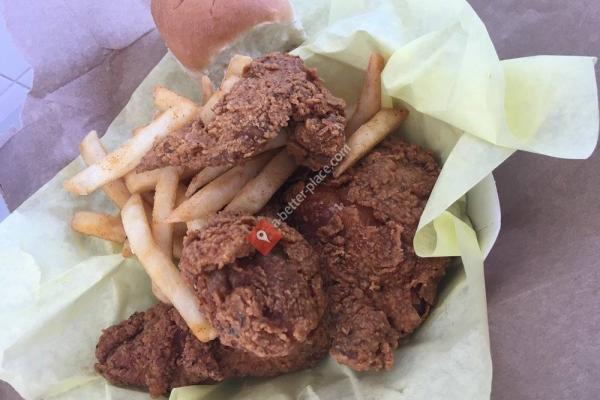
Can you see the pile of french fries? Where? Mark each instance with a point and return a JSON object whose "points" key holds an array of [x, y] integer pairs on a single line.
{"points": [[157, 208]]}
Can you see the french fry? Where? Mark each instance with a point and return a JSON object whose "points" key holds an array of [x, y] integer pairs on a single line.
{"points": [[148, 204], [148, 211], [209, 174], [204, 177], [139, 182], [257, 193], [369, 102], [159, 294], [207, 88], [369, 135], [236, 65], [124, 159], [161, 269], [177, 248], [198, 223], [180, 228], [165, 99], [164, 203], [92, 151], [102, 226], [228, 83], [207, 114], [232, 76], [219, 192]]}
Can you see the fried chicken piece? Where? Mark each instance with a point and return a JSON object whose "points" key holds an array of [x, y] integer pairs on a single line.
{"points": [[276, 91], [266, 305], [363, 225], [156, 351]]}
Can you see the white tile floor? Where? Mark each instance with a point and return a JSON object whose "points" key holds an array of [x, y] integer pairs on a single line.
{"points": [[16, 77]]}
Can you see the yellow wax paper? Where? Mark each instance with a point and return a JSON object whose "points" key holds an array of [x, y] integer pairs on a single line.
{"points": [[60, 289]]}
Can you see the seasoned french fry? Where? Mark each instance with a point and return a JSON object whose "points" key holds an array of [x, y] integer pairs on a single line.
{"points": [[123, 160], [369, 135], [207, 88], [179, 230], [209, 174], [165, 99], [369, 101], [139, 182], [219, 192], [148, 211], [92, 151], [164, 203], [232, 76], [161, 269], [257, 193], [204, 177], [102, 226]]}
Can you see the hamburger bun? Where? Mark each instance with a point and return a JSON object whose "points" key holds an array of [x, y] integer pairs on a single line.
{"points": [[204, 34]]}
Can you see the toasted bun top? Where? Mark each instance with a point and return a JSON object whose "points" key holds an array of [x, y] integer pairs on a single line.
{"points": [[196, 30]]}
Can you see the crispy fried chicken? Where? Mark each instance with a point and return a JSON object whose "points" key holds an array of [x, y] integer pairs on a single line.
{"points": [[276, 92], [155, 351], [266, 305], [363, 225]]}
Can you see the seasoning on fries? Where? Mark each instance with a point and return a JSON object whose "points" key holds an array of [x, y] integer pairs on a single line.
{"points": [[161, 269], [92, 151], [123, 160]]}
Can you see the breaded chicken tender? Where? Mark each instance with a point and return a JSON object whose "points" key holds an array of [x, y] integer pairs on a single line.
{"points": [[276, 92]]}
